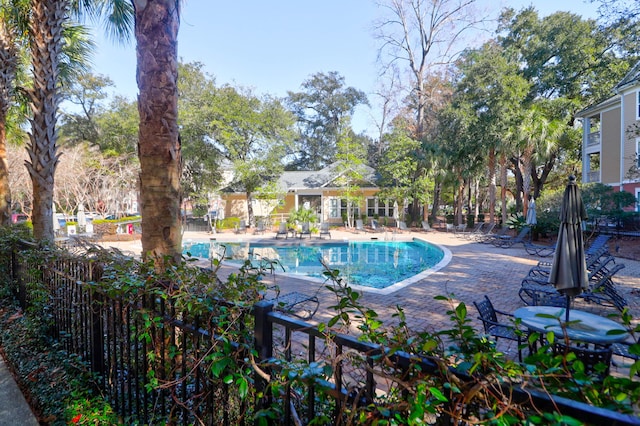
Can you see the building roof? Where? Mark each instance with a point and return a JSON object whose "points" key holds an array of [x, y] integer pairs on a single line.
{"points": [[631, 79], [599, 107], [323, 178]]}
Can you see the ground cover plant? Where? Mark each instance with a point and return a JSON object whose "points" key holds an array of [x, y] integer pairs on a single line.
{"points": [[469, 383]]}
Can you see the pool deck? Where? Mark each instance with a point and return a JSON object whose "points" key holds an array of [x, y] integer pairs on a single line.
{"points": [[475, 270]]}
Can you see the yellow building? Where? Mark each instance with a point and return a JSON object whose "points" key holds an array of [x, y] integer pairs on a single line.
{"points": [[319, 190]]}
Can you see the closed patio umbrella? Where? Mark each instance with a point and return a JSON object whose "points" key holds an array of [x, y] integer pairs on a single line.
{"points": [[569, 269], [396, 212], [531, 213]]}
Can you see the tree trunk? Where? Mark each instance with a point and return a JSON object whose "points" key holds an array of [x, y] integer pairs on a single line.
{"points": [[156, 31], [436, 201], [250, 215], [503, 188], [46, 24], [460, 198], [8, 59], [492, 185]]}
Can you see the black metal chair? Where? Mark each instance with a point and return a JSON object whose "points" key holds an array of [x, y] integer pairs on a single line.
{"points": [[497, 329], [590, 356]]}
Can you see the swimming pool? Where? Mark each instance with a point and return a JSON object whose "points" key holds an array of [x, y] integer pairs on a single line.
{"points": [[379, 266]]}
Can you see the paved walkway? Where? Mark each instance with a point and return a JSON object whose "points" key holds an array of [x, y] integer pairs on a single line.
{"points": [[475, 270]]}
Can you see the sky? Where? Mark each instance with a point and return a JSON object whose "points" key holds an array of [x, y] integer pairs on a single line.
{"points": [[273, 47]]}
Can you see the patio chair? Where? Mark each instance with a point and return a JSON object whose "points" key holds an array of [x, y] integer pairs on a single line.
{"points": [[295, 303], [260, 228], [490, 237], [485, 232], [602, 289], [324, 230], [402, 226], [599, 242], [282, 230], [241, 228], [476, 230], [538, 249], [426, 227], [360, 226], [596, 359], [375, 226], [305, 230], [622, 349], [450, 227], [497, 329], [507, 241]]}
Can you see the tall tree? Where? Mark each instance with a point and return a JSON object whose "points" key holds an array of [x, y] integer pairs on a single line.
{"points": [[351, 157], [320, 108], [46, 23], [12, 32], [201, 174], [425, 36], [47, 20], [254, 135], [491, 87], [87, 92], [159, 150]]}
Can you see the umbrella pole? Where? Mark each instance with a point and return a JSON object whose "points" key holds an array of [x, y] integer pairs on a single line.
{"points": [[568, 307]]}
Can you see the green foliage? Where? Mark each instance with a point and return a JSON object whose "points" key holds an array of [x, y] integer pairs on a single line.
{"points": [[321, 109], [302, 215], [603, 201], [412, 396]]}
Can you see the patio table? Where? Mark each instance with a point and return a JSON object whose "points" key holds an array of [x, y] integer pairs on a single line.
{"points": [[583, 326]]}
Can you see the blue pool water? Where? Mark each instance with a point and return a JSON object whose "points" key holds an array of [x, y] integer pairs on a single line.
{"points": [[374, 264]]}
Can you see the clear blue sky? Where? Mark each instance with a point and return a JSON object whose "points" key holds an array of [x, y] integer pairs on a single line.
{"points": [[274, 46]]}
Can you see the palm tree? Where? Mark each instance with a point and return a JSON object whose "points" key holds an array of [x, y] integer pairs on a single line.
{"points": [[11, 32], [156, 32]]}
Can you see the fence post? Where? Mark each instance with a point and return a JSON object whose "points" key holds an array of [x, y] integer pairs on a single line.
{"points": [[263, 344], [20, 289], [97, 334]]}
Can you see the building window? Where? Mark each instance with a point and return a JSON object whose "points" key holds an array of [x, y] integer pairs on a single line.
{"points": [[338, 207], [637, 153], [638, 199], [371, 207], [382, 208], [334, 208]]}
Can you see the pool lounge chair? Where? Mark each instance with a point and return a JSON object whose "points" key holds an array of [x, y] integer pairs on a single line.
{"points": [[324, 230], [426, 227], [490, 237], [539, 250], [282, 230], [477, 229], [306, 230], [260, 228], [360, 226], [598, 242], [507, 241], [375, 226], [484, 233], [402, 227], [241, 228]]}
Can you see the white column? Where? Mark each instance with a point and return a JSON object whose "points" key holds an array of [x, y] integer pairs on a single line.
{"points": [[586, 165]]}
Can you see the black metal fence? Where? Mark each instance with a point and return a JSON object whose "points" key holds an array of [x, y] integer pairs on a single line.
{"points": [[155, 374]]}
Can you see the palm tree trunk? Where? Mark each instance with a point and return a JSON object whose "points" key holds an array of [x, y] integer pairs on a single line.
{"points": [[47, 19], [156, 31], [8, 59]]}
